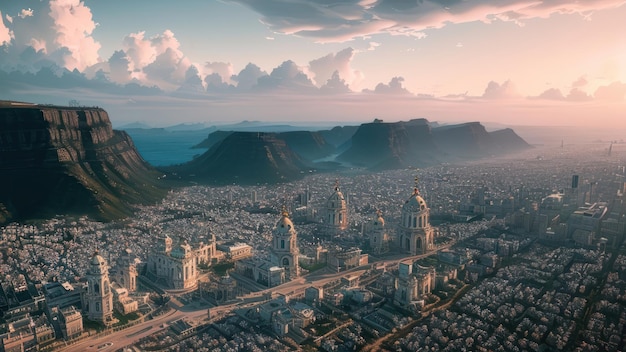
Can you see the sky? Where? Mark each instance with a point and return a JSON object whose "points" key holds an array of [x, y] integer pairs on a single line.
{"points": [[509, 62]]}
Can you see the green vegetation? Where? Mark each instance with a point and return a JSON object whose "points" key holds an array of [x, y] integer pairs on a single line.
{"points": [[222, 268], [124, 319], [314, 267]]}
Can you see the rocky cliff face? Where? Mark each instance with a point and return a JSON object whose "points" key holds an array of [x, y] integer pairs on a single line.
{"points": [[56, 160], [414, 143]]}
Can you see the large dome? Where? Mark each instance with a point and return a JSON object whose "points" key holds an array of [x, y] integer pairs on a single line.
{"points": [[415, 204]]}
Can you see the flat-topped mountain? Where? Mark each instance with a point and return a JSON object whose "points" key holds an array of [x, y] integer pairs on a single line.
{"points": [[64, 160], [245, 158], [381, 145]]}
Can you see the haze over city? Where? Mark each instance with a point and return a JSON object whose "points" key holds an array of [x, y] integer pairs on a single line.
{"points": [[514, 63]]}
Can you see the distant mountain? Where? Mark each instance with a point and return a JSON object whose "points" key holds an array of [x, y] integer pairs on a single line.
{"points": [[245, 158], [309, 145], [63, 160], [213, 139], [380, 145], [416, 143]]}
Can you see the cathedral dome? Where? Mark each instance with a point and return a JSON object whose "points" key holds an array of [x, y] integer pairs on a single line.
{"points": [[336, 199], [415, 204], [97, 259], [284, 225]]}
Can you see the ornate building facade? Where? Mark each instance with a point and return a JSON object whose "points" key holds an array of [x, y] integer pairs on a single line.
{"points": [[378, 238], [415, 234], [97, 297], [413, 283], [335, 212], [285, 250], [176, 267]]}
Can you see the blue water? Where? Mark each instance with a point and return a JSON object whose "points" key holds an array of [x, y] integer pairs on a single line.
{"points": [[167, 148]]}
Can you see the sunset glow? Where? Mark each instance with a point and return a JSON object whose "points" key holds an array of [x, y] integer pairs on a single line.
{"points": [[281, 60]]}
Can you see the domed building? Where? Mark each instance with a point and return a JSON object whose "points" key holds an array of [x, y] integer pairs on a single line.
{"points": [[379, 241], [176, 266], [97, 297], [335, 212], [285, 250], [415, 235]]}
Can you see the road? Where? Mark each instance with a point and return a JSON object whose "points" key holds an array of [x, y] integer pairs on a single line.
{"points": [[135, 333]]}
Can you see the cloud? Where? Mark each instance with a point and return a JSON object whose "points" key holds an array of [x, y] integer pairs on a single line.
{"points": [[156, 60], [223, 69], [248, 77], [505, 90], [5, 34], [614, 92], [580, 82], [344, 20], [551, 94], [395, 87], [335, 85], [61, 29], [325, 67], [373, 46], [288, 77], [578, 95], [26, 13]]}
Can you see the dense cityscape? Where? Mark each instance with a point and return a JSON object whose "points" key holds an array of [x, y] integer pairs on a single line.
{"points": [[524, 253]]}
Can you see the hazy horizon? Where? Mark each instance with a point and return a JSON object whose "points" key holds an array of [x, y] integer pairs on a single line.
{"points": [[514, 63]]}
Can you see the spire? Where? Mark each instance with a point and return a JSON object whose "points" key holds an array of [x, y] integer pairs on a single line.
{"points": [[415, 190], [336, 185], [284, 212]]}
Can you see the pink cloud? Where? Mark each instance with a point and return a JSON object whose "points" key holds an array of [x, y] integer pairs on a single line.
{"points": [[343, 21], [5, 34], [505, 90], [324, 68]]}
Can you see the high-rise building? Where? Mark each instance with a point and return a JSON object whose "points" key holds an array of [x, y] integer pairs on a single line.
{"points": [[97, 298]]}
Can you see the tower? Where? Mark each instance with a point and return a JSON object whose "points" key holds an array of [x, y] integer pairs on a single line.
{"points": [[378, 235], [97, 297], [336, 211], [285, 250], [126, 273], [415, 235]]}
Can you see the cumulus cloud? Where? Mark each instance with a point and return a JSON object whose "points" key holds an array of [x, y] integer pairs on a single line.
{"points": [[248, 77], [5, 34], [335, 85], [156, 60], [615, 91], [578, 95], [324, 67], [26, 13], [223, 69], [289, 77], [344, 20], [551, 94], [580, 82], [61, 29], [505, 90], [395, 87]]}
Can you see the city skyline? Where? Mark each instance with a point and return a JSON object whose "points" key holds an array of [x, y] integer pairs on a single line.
{"points": [[515, 63]]}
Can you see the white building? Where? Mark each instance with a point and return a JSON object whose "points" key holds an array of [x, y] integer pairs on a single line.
{"points": [[97, 297]]}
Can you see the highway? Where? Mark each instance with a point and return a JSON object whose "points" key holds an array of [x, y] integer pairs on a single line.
{"points": [[192, 312]]}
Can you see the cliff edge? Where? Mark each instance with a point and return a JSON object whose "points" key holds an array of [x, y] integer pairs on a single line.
{"points": [[65, 160]]}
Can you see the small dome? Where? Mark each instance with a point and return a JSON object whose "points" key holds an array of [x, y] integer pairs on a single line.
{"points": [[284, 224], [415, 204], [97, 259]]}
